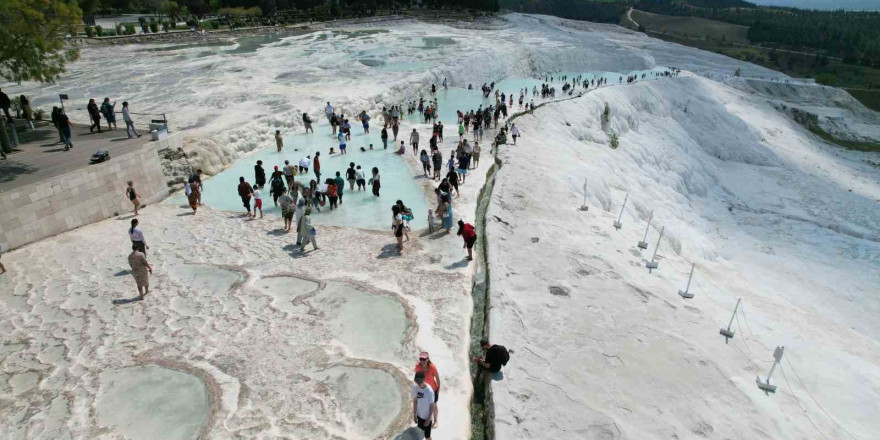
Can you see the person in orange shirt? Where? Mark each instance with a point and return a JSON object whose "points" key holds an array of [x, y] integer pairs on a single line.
{"points": [[432, 378]]}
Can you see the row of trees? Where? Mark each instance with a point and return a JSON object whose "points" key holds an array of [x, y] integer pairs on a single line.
{"points": [[596, 11], [269, 7], [851, 35]]}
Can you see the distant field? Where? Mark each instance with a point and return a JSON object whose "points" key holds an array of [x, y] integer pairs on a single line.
{"points": [[691, 26]]}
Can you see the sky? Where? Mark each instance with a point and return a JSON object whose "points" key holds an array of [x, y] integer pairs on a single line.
{"points": [[873, 5]]}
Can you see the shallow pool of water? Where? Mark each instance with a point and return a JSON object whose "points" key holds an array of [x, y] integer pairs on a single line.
{"points": [[151, 402]]}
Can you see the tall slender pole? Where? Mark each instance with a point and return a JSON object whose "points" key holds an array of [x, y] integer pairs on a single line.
{"points": [[765, 385], [584, 207], [644, 243], [617, 224], [727, 332], [687, 294], [653, 264]]}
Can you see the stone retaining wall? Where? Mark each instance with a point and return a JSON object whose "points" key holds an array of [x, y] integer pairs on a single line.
{"points": [[87, 195]]}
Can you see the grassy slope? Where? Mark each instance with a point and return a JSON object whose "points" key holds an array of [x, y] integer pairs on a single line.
{"points": [[692, 26]]}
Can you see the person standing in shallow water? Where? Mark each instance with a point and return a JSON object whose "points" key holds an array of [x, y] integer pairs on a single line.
{"points": [[259, 173], [279, 142], [245, 191], [140, 270], [374, 181]]}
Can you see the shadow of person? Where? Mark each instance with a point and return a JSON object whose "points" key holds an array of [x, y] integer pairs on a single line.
{"points": [[458, 264], [388, 251], [411, 433], [122, 273]]}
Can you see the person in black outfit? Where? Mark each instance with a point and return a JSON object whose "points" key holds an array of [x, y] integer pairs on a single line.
{"points": [[260, 173], [4, 104], [495, 358]]}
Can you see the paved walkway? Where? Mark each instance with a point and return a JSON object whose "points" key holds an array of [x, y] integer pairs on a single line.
{"points": [[40, 155]]}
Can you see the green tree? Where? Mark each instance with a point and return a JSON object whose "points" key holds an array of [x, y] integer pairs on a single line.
{"points": [[32, 39], [826, 79]]}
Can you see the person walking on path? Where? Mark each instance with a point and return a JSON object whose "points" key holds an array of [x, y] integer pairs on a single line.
{"points": [[62, 123], [133, 196], [437, 158], [129, 123], [287, 209], [258, 200], [423, 405], [469, 235], [197, 178], [475, 157], [514, 131], [279, 142], [192, 194], [397, 226], [432, 378], [137, 237], [426, 162], [140, 270], [305, 232], [444, 211], [27, 111], [94, 115], [108, 110], [245, 191], [4, 104], [414, 141]]}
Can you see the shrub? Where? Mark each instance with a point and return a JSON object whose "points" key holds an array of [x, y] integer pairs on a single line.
{"points": [[215, 24], [615, 142], [119, 29], [129, 28], [90, 31], [154, 27], [826, 79], [39, 114], [99, 30]]}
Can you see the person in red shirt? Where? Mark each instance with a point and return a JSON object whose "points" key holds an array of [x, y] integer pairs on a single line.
{"points": [[432, 378], [332, 192], [316, 166], [467, 232]]}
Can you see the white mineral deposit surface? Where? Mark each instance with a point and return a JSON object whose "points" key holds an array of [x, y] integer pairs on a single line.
{"points": [[243, 336]]}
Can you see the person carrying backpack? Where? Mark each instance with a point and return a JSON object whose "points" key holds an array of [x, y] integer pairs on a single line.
{"points": [[495, 358]]}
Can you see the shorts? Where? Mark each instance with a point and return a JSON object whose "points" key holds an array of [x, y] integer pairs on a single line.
{"points": [[462, 171], [436, 395], [342, 147], [351, 181], [258, 203], [141, 246], [426, 429], [470, 243], [288, 215], [362, 182], [366, 126]]}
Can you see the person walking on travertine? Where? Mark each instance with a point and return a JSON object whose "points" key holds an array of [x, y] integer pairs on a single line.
{"points": [[141, 270], [133, 196]]}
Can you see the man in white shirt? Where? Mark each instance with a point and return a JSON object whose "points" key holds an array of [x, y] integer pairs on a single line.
{"points": [[423, 405], [328, 111], [304, 164], [129, 124]]}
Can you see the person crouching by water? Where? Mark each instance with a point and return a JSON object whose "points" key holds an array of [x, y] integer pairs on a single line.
{"points": [[495, 358], [305, 232], [469, 235]]}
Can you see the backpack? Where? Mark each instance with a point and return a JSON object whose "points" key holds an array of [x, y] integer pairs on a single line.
{"points": [[505, 356]]}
